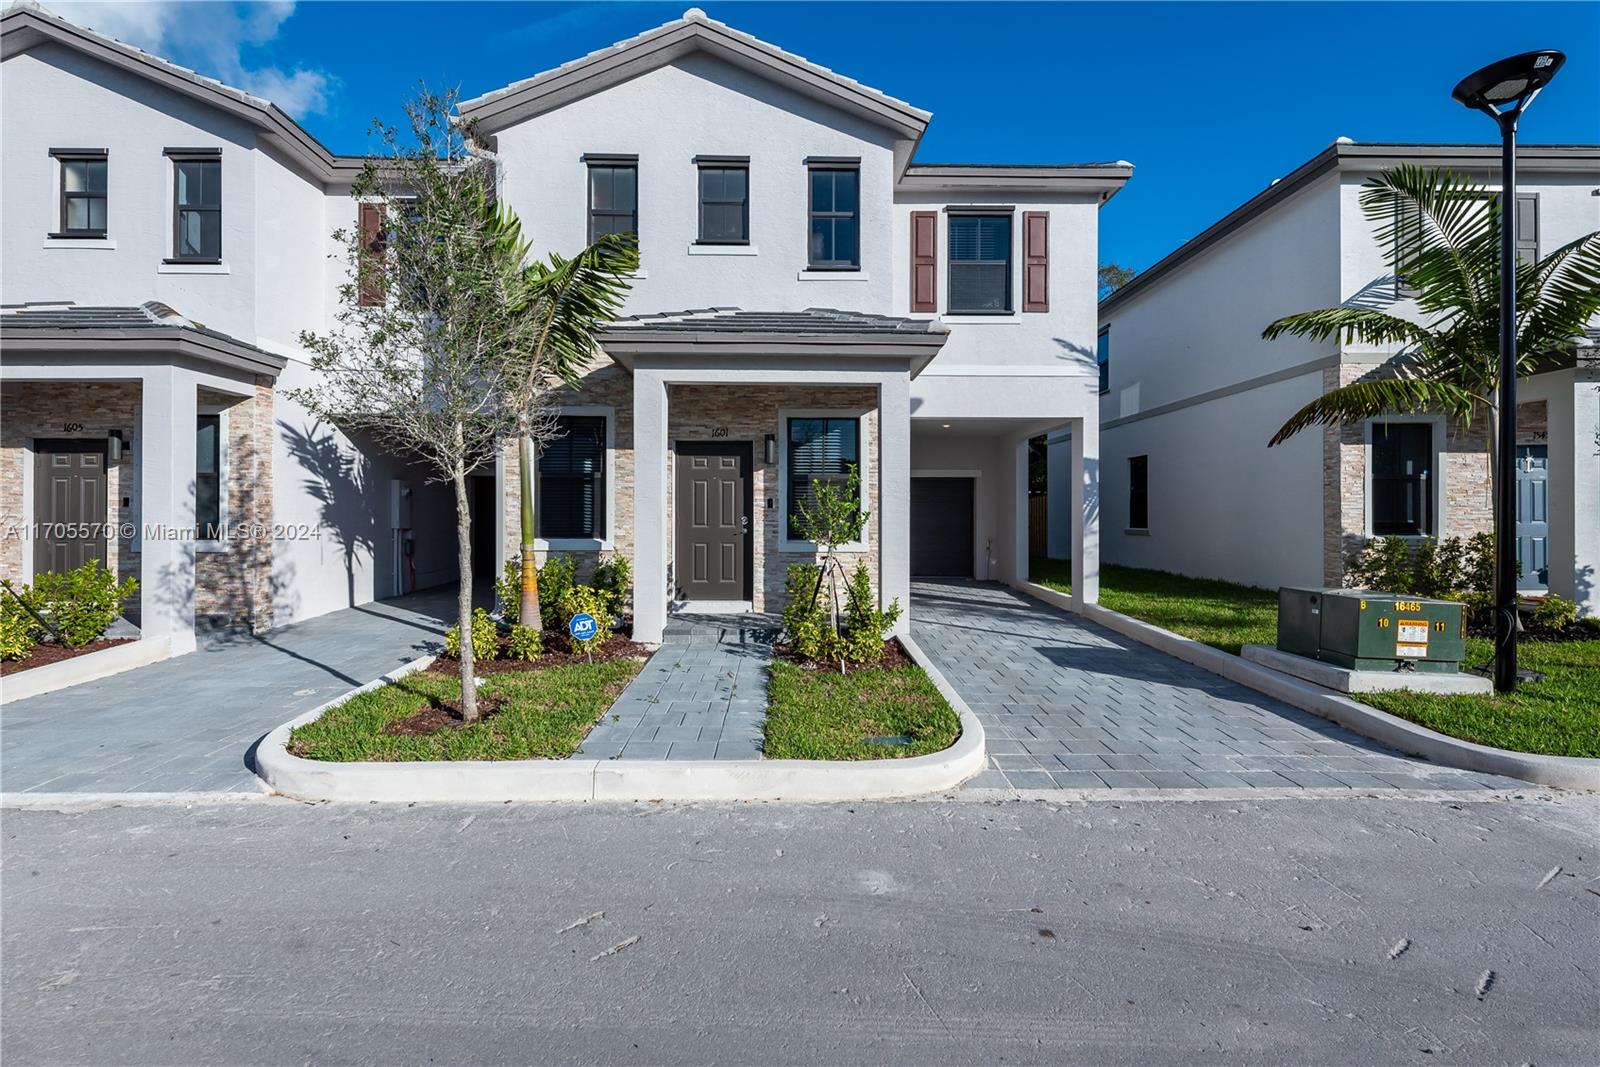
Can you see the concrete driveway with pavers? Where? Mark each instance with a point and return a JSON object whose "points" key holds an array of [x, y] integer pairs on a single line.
{"points": [[1066, 704], [188, 724]]}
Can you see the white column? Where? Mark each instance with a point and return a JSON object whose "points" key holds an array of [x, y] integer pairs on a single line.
{"points": [[650, 592], [894, 496], [1018, 482], [1058, 494], [1582, 444], [166, 490], [1085, 512]]}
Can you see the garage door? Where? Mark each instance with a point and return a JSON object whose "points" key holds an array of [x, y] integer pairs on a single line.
{"points": [[941, 527]]}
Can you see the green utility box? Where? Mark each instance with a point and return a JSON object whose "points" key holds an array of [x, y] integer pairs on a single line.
{"points": [[1362, 630]]}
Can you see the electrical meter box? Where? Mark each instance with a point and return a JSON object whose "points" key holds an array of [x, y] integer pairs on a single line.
{"points": [[1363, 630]]}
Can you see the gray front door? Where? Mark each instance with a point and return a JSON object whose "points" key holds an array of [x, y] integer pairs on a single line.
{"points": [[69, 504], [712, 505], [1533, 517]]}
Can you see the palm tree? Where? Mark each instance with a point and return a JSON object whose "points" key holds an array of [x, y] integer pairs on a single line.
{"points": [[1439, 232], [571, 300]]}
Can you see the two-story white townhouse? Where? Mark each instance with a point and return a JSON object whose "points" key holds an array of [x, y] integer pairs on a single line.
{"points": [[1191, 393], [809, 299]]}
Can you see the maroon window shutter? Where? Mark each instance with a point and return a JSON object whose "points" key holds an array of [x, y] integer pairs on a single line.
{"points": [[370, 277], [924, 261], [1036, 261]]}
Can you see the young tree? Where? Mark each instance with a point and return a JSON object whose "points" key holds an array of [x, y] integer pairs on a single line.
{"points": [[422, 354], [833, 516], [1440, 233], [1111, 277]]}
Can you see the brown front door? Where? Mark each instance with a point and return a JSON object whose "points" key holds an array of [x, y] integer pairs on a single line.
{"points": [[69, 504], [712, 504]]}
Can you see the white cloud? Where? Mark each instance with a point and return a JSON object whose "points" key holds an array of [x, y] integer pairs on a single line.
{"points": [[210, 38]]}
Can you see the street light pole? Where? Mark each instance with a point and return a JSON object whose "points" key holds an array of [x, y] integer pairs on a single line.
{"points": [[1503, 91]]}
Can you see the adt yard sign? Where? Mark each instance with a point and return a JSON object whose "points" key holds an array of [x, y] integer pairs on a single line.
{"points": [[583, 627]]}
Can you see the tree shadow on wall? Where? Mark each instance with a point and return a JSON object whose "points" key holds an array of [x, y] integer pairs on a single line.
{"points": [[339, 482]]}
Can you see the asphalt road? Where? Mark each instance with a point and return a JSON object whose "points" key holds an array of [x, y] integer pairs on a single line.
{"points": [[1306, 931]]}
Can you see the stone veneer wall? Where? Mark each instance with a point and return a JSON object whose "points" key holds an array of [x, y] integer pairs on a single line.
{"points": [[232, 583], [1468, 507], [738, 413]]}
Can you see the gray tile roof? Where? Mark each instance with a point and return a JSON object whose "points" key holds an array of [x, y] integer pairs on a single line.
{"points": [[815, 321], [123, 322]]}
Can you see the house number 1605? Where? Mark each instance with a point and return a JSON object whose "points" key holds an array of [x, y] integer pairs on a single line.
{"points": [[719, 431]]}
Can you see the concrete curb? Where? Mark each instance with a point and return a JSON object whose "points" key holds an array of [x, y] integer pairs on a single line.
{"points": [[83, 801], [1564, 772], [79, 669], [583, 780]]}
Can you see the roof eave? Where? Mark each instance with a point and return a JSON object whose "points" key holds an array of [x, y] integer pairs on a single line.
{"points": [[624, 346], [157, 341], [1103, 181]]}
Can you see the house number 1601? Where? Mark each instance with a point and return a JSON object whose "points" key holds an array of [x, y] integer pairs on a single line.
{"points": [[719, 431]]}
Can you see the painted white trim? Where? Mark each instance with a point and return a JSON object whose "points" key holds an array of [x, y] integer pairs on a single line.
{"points": [[1009, 319], [193, 268], [27, 509], [104, 244], [864, 453], [696, 249], [586, 544], [991, 370], [832, 276], [1440, 500]]}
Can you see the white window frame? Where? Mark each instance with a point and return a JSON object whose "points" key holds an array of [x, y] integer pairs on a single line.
{"points": [[586, 544], [1438, 423], [224, 473], [785, 543]]}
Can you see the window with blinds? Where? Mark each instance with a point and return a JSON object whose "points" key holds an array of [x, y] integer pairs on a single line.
{"points": [[1402, 456], [820, 451], [980, 264], [572, 480]]}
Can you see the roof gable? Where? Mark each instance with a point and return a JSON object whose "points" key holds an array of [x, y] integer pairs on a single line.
{"points": [[656, 48]]}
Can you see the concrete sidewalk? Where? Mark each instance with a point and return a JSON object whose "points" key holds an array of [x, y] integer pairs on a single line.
{"points": [[188, 724]]}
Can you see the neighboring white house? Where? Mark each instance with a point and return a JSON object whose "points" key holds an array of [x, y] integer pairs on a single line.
{"points": [[1191, 394], [808, 298]]}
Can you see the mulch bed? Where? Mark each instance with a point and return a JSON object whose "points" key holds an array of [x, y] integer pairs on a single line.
{"points": [[894, 656], [617, 646], [46, 654], [436, 715]]}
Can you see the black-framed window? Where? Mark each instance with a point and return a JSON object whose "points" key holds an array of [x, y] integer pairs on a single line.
{"points": [[1138, 492], [572, 479], [208, 477], [1102, 359], [83, 194], [613, 199], [1402, 495], [980, 264], [196, 208], [724, 204], [820, 449], [835, 236]]}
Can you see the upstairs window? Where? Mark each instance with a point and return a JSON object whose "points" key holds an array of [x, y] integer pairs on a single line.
{"points": [[1402, 496], [835, 238], [613, 198], [980, 264], [1138, 492], [821, 450], [724, 204], [196, 205], [1102, 359], [572, 479], [83, 193]]}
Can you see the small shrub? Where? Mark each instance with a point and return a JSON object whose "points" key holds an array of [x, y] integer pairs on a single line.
{"points": [[1383, 563], [508, 591], [80, 604], [580, 600], [1447, 569], [525, 643], [865, 627], [485, 637], [1554, 614], [556, 578], [612, 578], [19, 631], [805, 617]]}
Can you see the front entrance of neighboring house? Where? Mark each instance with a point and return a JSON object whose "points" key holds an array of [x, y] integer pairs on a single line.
{"points": [[712, 502], [941, 527], [1533, 518], [69, 504]]}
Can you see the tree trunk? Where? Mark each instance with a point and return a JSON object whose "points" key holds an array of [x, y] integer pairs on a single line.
{"points": [[529, 615], [469, 694]]}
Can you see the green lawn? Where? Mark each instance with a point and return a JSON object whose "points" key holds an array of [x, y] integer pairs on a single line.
{"points": [[546, 714], [1557, 716], [825, 715]]}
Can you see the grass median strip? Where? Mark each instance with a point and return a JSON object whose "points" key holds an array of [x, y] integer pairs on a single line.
{"points": [[540, 713], [1556, 716], [869, 713]]}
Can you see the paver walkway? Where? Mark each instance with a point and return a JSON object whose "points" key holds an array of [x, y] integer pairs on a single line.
{"points": [[703, 695], [1066, 704], [188, 724]]}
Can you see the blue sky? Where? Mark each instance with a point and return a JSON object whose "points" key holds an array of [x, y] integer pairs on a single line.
{"points": [[1137, 81]]}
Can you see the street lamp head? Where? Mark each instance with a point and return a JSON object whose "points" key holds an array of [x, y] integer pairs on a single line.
{"points": [[1512, 81]]}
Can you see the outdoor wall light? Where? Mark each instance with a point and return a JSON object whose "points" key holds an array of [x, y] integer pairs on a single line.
{"points": [[1503, 91], [769, 449]]}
